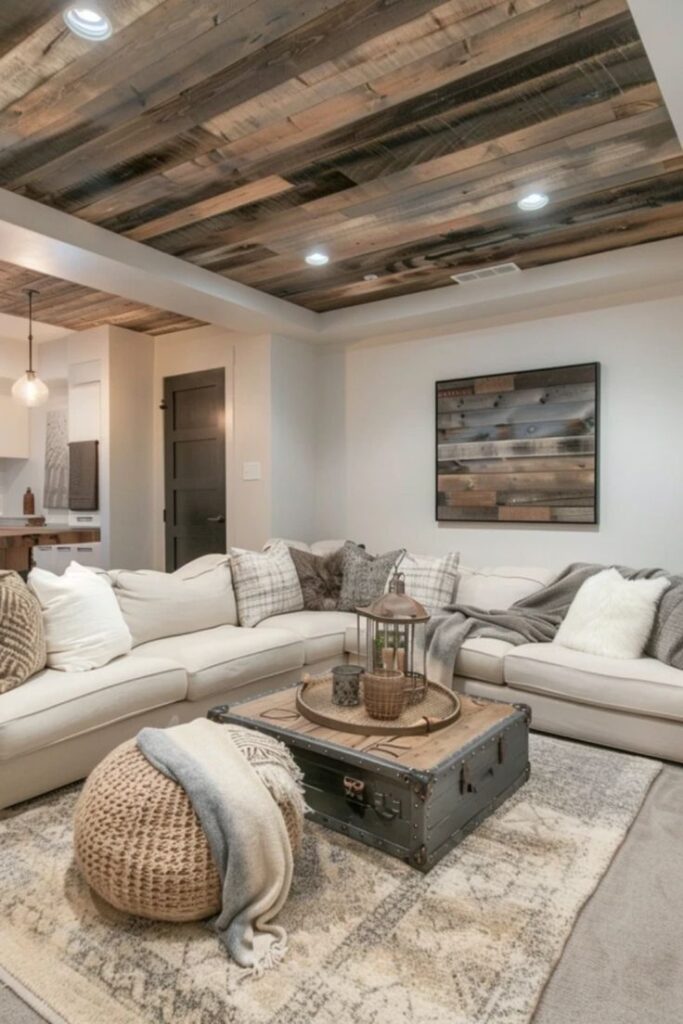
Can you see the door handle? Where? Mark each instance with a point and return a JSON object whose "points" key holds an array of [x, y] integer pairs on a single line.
{"points": [[215, 519]]}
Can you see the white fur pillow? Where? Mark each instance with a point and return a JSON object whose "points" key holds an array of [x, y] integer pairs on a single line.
{"points": [[611, 616]]}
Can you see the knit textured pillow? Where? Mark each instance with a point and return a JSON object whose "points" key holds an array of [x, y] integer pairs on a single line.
{"points": [[365, 576], [22, 637], [266, 583]]}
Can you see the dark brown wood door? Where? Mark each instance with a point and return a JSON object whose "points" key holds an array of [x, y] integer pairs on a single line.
{"points": [[194, 465]]}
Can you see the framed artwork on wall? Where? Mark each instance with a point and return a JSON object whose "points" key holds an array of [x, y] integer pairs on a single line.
{"points": [[519, 447]]}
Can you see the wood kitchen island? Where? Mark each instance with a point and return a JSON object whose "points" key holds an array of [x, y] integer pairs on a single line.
{"points": [[17, 542]]}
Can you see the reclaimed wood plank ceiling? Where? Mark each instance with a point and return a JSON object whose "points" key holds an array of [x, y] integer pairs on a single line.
{"points": [[398, 135], [77, 308]]}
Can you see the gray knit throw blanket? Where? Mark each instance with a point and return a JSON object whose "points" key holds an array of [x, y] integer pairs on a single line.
{"points": [[536, 619]]}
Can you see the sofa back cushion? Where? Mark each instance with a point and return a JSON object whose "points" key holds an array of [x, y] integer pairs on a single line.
{"points": [[266, 583], [84, 627], [197, 596], [497, 587], [22, 636]]}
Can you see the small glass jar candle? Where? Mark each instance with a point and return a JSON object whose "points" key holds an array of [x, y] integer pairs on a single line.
{"points": [[346, 685]]}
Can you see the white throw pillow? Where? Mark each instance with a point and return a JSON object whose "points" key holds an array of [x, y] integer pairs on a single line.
{"points": [[430, 580], [611, 616], [197, 596], [84, 627], [266, 583]]}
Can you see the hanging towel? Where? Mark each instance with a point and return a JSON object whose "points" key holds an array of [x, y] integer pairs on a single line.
{"points": [[83, 476]]}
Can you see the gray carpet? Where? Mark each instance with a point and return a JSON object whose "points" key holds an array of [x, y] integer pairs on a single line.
{"points": [[624, 961]]}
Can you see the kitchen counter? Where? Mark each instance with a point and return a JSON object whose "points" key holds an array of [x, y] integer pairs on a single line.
{"points": [[17, 542]]}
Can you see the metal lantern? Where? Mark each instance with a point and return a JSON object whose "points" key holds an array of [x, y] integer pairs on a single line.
{"points": [[391, 625]]}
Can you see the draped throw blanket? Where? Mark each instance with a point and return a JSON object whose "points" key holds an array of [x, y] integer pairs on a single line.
{"points": [[245, 830], [536, 619]]}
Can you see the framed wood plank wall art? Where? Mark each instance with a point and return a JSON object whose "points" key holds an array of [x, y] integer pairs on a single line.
{"points": [[519, 447]]}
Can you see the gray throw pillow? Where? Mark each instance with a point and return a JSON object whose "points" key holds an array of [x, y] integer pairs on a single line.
{"points": [[320, 577], [22, 636], [365, 576], [666, 639]]}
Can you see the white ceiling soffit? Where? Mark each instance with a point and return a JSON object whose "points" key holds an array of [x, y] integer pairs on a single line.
{"points": [[48, 241], [660, 24]]}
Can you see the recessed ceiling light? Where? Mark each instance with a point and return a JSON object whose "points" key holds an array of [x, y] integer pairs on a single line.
{"points": [[533, 201], [371, 277], [88, 23], [317, 258]]}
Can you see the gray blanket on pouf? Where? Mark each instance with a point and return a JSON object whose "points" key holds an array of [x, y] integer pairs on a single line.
{"points": [[536, 619], [245, 831]]}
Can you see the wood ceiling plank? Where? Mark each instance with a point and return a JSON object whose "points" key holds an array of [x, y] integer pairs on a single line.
{"points": [[577, 244], [305, 46], [371, 60], [128, 195], [49, 46], [18, 21], [509, 37], [169, 26], [492, 242], [477, 121], [207, 208], [571, 130], [471, 215]]}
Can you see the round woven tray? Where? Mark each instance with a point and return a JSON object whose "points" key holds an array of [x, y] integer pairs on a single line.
{"points": [[440, 708]]}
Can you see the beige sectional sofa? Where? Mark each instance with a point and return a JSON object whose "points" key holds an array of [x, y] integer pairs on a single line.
{"points": [[58, 725]]}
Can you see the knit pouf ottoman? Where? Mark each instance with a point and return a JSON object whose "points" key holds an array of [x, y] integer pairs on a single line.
{"points": [[139, 843]]}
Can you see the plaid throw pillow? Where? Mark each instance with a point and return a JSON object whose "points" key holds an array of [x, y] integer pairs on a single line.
{"points": [[429, 580], [266, 583]]}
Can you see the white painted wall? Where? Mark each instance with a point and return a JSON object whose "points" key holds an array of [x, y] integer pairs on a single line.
{"points": [[246, 359], [294, 414], [131, 453], [379, 454]]}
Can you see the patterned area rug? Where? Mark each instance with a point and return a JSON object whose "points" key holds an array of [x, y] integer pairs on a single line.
{"points": [[371, 941]]}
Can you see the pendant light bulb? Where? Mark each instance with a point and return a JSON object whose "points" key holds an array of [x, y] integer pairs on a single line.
{"points": [[30, 390]]}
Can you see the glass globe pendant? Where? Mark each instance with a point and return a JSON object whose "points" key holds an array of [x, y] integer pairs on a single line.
{"points": [[30, 390]]}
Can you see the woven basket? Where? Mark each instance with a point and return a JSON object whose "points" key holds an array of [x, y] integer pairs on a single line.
{"points": [[139, 843], [384, 693]]}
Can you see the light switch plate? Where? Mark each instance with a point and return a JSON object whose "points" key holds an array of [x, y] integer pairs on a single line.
{"points": [[251, 470]]}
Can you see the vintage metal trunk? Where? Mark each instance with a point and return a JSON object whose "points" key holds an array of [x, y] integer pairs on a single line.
{"points": [[414, 797]]}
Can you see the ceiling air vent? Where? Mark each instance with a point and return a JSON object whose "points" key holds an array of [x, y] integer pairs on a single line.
{"points": [[486, 272]]}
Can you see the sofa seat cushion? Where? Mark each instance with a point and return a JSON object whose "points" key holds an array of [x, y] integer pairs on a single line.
{"points": [[483, 658], [223, 658], [638, 686], [56, 705], [322, 633]]}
